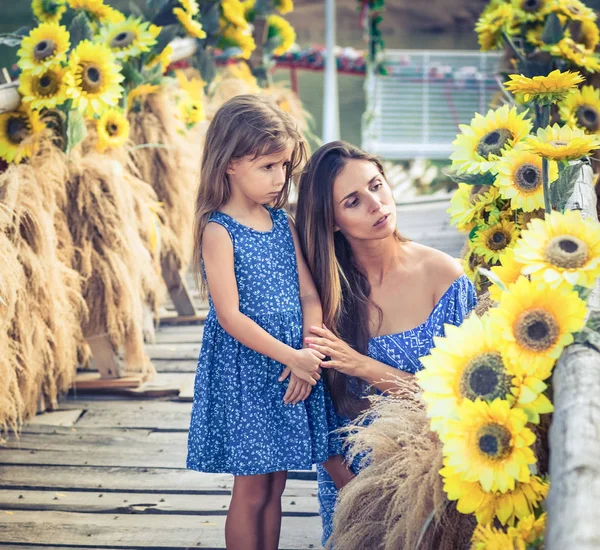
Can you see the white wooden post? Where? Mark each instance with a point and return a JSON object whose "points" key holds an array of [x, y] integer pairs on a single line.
{"points": [[331, 113]]}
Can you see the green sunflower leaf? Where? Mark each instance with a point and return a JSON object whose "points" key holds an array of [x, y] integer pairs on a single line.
{"points": [[471, 179], [593, 322], [133, 77], [135, 10], [553, 31], [588, 337], [76, 130], [80, 29], [166, 35], [562, 188]]}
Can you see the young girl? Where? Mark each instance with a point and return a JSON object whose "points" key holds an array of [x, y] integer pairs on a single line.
{"points": [[260, 407]]}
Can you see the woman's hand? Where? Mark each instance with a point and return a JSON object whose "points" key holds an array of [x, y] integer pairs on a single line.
{"points": [[341, 356]]}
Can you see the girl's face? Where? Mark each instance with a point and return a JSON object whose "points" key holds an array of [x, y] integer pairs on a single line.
{"points": [[363, 204], [260, 179]]}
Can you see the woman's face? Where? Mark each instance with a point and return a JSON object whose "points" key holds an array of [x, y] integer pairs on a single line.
{"points": [[363, 204]]}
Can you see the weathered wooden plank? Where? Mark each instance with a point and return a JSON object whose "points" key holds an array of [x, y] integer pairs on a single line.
{"points": [[138, 503], [172, 352], [135, 480], [176, 365], [177, 337], [139, 530], [58, 418]]}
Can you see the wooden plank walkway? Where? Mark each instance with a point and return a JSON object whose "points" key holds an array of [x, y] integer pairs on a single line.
{"points": [[108, 471]]}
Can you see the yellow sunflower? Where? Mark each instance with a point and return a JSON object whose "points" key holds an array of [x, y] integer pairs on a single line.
{"points": [[141, 91], [574, 10], [575, 53], [508, 272], [489, 443], [492, 240], [233, 11], [47, 89], [543, 89], [45, 45], [97, 78], [486, 537], [284, 6], [488, 138], [191, 106], [589, 34], [49, 11], [534, 35], [529, 528], [519, 179], [563, 247], [164, 58], [18, 132], [191, 6], [97, 9], [492, 23], [508, 507], [467, 364], [536, 324], [582, 109], [531, 11], [191, 26], [562, 143], [129, 38], [471, 262], [113, 130], [233, 37], [469, 205], [280, 28]]}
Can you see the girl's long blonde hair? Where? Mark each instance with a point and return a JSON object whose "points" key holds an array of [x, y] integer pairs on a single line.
{"points": [[342, 284], [246, 125]]}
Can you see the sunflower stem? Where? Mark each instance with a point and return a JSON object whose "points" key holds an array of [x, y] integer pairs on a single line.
{"points": [[545, 120]]}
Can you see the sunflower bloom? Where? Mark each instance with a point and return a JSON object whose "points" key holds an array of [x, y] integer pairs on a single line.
{"points": [[141, 91], [582, 109], [49, 11], [492, 23], [280, 28], [519, 179], [97, 9], [575, 10], [562, 143], [191, 107], [113, 130], [467, 364], [508, 272], [575, 53], [543, 89], [468, 206], [191, 26], [529, 528], [129, 38], [18, 131], [45, 45], [471, 262], [164, 58], [508, 507], [563, 247], [492, 240], [479, 145], [191, 6], [233, 37], [233, 11], [284, 6], [97, 78], [47, 89], [489, 443], [486, 537], [532, 11], [536, 325]]}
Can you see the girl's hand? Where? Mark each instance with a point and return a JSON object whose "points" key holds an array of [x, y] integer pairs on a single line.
{"points": [[297, 391], [342, 357], [305, 365]]}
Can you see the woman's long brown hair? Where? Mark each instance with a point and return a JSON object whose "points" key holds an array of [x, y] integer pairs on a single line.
{"points": [[342, 284], [246, 125]]}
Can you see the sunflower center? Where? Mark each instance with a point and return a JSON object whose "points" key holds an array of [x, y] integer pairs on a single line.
{"points": [[567, 252], [493, 142], [587, 117], [574, 10], [536, 330], [44, 49], [559, 143], [498, 240], [50, 7], [494, 441], [485, 377], [91, 78], [123, 39], [47, 84], [531, 5], [528, 177], [16, 129], [112, 128]]}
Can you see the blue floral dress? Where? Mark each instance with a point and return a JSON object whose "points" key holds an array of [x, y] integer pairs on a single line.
{"points": [[403, 351], [239, 423]]}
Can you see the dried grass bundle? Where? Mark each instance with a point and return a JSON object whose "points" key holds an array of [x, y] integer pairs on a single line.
{"points": [[398, 500], [110, 257]]}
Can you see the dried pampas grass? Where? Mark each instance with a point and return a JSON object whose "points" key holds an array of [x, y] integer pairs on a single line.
{"points": [[397, 501]]}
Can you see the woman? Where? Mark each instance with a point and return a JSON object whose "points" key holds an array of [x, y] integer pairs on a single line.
{"points": [[383, 296]]}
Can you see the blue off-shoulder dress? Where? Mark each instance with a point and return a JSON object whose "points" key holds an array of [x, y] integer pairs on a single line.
{"points": [[240, 424], [402, 351]]}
